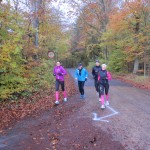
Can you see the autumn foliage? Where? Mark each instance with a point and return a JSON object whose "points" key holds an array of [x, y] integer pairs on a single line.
{"points": [[24, 65], [121, 30]]}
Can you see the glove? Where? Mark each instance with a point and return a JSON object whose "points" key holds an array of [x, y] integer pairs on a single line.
{"points": [[85, 79]]}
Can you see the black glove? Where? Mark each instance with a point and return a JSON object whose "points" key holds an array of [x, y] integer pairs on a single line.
{"points": [[85, 79]]}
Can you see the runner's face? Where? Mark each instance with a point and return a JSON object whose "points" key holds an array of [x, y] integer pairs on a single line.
{"points": [[97, 64], [80, 67], [103, 67], [58, 63]]}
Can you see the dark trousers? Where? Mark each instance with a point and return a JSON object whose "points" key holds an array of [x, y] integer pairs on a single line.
{"points": [[81, 87], [96, 83], [104, 88], [97, 87], [57, 83]]}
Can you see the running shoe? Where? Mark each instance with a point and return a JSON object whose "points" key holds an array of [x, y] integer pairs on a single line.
{"points": [[107, 103], [65, 99], [97, 93], [103, 107], [83, 96], [56, 102]]}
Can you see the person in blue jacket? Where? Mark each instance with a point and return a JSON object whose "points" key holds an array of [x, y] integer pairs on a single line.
{"points": [[81, 75]]}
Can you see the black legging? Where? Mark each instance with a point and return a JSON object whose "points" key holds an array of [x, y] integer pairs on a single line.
{"points": [[97, 87], [81, 87], [57, 83], [96, 83], [104, 87]]}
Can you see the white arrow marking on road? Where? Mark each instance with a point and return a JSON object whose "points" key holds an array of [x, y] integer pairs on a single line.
{"points": [[101, 118]]}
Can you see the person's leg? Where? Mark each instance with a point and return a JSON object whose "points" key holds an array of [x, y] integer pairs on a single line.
{"points": [[106, 93], [63, 89], [102, 95], [96, 84], [99, 92], [57, 93], [79, 86], [82, 88]]}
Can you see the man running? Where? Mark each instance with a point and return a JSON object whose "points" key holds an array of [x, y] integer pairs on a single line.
{"points": [[81, 75], [95, 71], [59, 72]]}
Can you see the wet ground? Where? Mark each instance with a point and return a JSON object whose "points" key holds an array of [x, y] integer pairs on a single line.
{"points": [[81, 124]]}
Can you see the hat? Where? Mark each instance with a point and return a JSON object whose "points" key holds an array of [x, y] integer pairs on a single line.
{"points": [[79, 65], [97, 61]]}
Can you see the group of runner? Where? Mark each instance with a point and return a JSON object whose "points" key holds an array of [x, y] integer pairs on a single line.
{"points": [[101, 81]]}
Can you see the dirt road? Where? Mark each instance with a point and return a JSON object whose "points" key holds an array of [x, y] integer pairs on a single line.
{"points": [[81, 124]]}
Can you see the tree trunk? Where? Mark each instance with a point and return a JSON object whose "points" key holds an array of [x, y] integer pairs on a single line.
{"points": [[149, 69], [35, 8], [136, 41], [136, 65], [144, 69], [104, 24]]}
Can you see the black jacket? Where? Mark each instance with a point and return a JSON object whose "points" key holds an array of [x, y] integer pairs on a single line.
{"points": [[95, 71]]}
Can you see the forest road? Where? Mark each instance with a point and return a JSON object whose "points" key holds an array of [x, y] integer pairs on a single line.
{"points": [[81, 124]]}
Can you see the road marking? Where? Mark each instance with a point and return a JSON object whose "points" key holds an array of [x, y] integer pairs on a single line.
{"points": [[114, 112]]}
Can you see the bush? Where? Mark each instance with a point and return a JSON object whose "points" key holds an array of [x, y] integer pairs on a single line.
{"points": [[34, 78], [42, 77]]}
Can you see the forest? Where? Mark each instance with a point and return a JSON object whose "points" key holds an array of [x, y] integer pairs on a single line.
{"points": [[116, 32]]}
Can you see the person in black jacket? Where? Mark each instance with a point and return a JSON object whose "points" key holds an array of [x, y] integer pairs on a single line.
{"points": [[95, 71]]}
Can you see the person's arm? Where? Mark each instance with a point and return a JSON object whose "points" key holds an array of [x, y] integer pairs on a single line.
{"points": [[76, 75], [109, 77], [63, 71], [54, 73], [86, 75], [93, 71], [99, 77]]}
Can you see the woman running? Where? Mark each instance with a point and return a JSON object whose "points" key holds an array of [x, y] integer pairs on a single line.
{"points": [[59, 72], [81, 75], [103, 77]]}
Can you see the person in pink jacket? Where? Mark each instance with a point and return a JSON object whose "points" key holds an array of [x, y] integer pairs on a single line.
{"points": [[103, 77], [59, 72]]}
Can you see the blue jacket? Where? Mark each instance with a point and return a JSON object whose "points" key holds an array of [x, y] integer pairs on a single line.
{"points": [[82, 76]]}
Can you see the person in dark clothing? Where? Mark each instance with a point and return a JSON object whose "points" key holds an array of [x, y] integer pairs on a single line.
{"points": [[103, 78], [95, 71]]}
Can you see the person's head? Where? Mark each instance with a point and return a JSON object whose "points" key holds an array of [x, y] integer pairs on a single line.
{"points": [[97, 63], [104, 66], [79, 66], [58, 63]]}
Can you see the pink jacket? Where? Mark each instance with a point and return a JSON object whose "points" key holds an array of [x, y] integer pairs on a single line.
{"points": [[59, 73]]}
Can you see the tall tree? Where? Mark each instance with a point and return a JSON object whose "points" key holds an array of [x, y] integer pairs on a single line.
{"points": [[36, 6]]}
